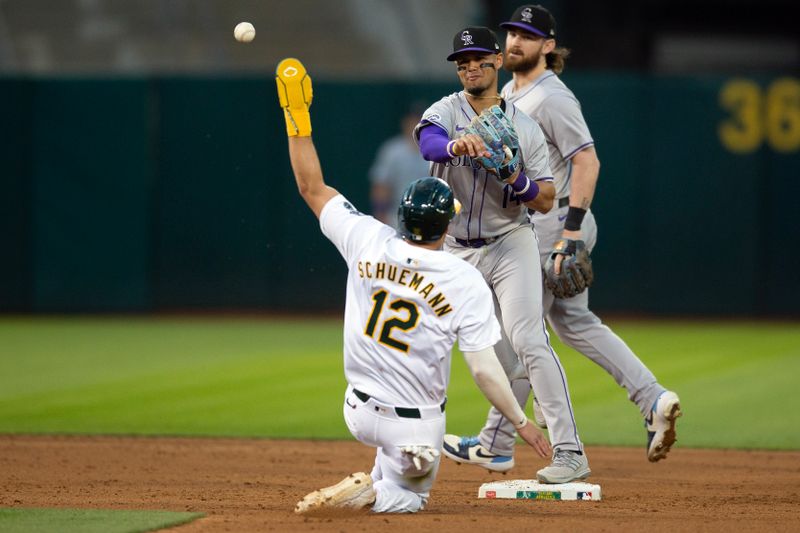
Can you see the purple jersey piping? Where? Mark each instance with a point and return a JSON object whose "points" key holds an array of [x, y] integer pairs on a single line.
{"points": [[465, 113], [515, 97], [564, 385], [483, 198], [578, 149], [494, 433], [474, 178], [472, 201]]}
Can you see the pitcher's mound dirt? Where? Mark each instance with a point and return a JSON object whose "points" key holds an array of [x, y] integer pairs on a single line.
{"points": [[252, 485]]}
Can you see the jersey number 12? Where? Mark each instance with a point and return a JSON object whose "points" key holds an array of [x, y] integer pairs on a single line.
{"points": [[404, 324]]}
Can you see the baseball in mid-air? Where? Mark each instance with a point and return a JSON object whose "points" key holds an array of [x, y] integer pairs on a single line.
{"points": [[244, 32]]}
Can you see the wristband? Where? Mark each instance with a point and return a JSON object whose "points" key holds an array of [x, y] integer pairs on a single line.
{"points": [[449, 148], [574, 218], [522, 423], [525, 189]]}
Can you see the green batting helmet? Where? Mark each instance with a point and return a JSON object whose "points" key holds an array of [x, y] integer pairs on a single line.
{"points": [[425, 210]]}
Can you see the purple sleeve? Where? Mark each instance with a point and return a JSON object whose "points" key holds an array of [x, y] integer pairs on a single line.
{"points": [[433, 144]]}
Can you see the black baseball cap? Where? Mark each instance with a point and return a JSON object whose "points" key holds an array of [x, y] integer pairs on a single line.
{"points": [[534, 19], [474, 39]]}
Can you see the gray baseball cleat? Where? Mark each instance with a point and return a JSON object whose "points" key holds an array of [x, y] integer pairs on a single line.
{"points": [[353, 492], [567, 466], [660, 424]]}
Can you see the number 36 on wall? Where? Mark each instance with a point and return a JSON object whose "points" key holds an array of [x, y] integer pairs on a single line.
{"points": [[757, 115]]}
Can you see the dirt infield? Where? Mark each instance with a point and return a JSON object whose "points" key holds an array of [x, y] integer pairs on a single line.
{"points": [[252, 485]]}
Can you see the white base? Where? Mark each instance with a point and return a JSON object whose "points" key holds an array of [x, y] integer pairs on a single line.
{"points": [[530, 489]]}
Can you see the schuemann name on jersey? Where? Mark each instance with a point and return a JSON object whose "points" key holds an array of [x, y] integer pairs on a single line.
{"points": [[407, 278]]}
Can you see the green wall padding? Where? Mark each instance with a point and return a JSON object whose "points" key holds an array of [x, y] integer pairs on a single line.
{"points": [[175, 193]]}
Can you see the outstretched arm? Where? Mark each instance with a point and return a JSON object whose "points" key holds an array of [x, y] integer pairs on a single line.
{"points": [[491, 379], [308, 174], [295, 94]]}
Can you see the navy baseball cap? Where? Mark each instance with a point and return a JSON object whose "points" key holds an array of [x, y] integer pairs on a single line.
{"points": [[534, 19], [474, 39]]}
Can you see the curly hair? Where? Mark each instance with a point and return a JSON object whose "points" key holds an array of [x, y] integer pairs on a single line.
{"points": [[555, 59]]}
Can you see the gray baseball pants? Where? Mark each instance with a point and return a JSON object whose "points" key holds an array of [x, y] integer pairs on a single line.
{"points": [[580, 329], [511, 267]]}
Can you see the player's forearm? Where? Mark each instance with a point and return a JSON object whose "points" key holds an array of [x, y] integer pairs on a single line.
{"points": [[305, 165], [544, 200], [294, 96], [493, 383], [434, 143], [585, 171], [308, 173]]}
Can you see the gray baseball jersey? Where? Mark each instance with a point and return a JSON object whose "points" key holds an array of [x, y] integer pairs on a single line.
{"points": [[489, 206], [555, 108], [504, 249], [558, 112]]}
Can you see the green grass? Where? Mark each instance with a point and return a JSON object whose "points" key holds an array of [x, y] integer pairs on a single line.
{"points": [[88, 521], [268, 377]]}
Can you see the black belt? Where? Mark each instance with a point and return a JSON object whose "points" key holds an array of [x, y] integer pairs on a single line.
{"points": [[403, 412], [477, 243]]}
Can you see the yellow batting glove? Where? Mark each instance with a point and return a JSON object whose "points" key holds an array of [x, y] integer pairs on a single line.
{"points": [[294, 95]]}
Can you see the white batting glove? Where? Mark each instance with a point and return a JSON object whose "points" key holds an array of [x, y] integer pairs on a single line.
{"points": [[420, 453]]}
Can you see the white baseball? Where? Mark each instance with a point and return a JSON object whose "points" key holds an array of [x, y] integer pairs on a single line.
{"points": [[244, 32]]}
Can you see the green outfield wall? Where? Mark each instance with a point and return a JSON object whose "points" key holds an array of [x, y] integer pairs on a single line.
{"points": [[176, 193]]}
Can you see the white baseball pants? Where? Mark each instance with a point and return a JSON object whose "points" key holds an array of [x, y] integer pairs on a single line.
{"points": [[399, 485]]}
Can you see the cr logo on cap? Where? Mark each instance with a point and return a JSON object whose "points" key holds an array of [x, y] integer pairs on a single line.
{"points": [[526, 14], [466, 37]]}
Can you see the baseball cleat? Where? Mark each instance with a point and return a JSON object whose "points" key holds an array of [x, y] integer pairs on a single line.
{"points": [[538, 415], [353, 492], [660, 425], [469, 450], [567, 466]]}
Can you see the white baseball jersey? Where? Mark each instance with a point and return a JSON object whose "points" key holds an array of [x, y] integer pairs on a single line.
{"points": [[547, 100], [489, 206], [406, 307]]}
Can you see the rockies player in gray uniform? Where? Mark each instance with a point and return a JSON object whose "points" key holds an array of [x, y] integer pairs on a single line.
{"points": [[536, 89], [493, 234]]}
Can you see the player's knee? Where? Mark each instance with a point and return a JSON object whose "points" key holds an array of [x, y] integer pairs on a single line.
{"points": [[515, 371], [528, 343], [391, 498], [572, 327]]}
